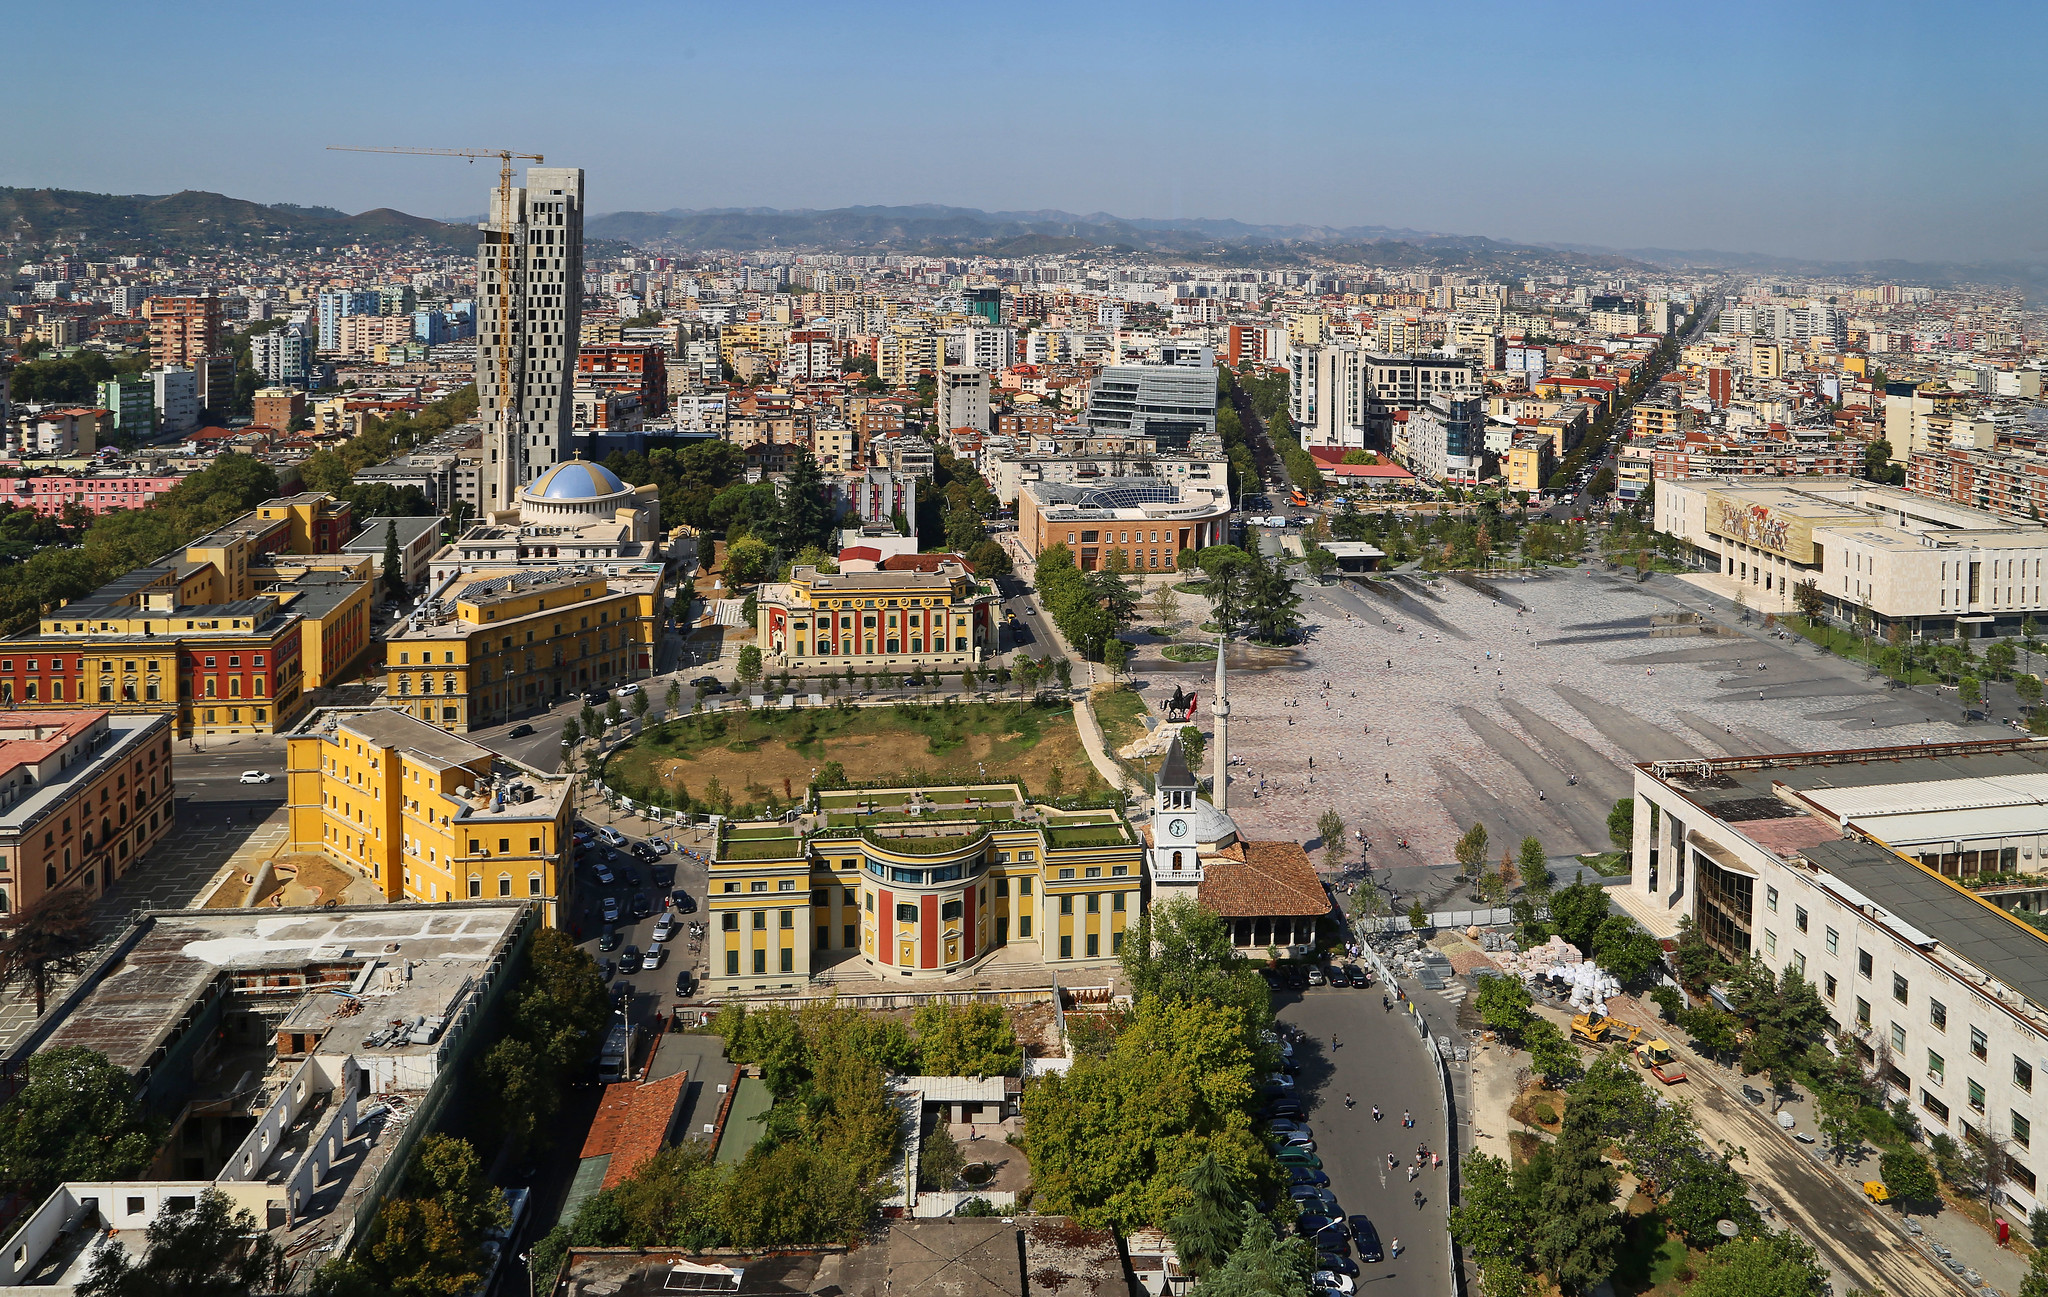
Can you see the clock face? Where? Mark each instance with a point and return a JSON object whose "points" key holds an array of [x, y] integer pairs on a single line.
{"points": [[1178, 828]]}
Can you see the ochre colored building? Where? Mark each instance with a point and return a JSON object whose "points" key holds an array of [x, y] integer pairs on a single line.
{"points": [[427, 815]]}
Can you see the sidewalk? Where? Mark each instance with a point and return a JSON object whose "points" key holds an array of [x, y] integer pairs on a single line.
{"points": [[1867, 1246]]}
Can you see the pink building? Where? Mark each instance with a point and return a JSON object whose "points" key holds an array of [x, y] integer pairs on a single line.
{"points": [[50, 495]]}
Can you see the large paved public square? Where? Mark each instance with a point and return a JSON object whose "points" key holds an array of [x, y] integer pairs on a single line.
{"points": [[1427, 705]]}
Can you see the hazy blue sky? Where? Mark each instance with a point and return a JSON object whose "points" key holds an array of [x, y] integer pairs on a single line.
{"points": [[1846, 130]]}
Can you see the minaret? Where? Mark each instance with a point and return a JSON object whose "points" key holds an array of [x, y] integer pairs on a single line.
{"points": [[1220, 705]]}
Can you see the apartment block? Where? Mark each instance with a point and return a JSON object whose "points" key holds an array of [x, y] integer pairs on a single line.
{"points": [[182, 330], [530, 315]]}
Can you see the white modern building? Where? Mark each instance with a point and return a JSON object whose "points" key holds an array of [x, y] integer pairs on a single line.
{"points": [[177, 398], [1877, 555], [1853, 869], [529, 327]]}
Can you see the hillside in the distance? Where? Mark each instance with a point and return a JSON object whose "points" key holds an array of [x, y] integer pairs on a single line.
{"points": [[197, 221]]}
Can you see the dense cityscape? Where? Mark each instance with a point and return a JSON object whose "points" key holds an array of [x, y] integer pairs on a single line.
{"points": [[886, 751]]}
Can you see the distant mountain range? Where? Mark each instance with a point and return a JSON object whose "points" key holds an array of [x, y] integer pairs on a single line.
{"points": [[196, 221]]}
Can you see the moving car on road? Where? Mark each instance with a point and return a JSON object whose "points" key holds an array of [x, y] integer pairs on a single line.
{"points": [[519, 731], [256, 776]]}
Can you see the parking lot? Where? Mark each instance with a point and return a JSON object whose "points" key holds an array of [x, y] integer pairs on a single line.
{"points": [[1350, 1045]]}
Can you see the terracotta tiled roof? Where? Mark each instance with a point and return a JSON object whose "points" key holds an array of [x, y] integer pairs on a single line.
{"points": [[1275, 878], [647, 1122], [610, 1120], [922, 562]]}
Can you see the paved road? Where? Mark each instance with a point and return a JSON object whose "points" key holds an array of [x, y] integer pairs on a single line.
{"points": [[1381, 1060]]}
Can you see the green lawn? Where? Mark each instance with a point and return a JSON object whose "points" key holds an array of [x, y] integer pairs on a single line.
{"points": [[1610, 864]]}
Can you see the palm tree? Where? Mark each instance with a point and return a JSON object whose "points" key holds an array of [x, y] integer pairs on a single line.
{"points": [[45, 941]]}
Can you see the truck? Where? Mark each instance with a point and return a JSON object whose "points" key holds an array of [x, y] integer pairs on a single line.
{"points": [[612, 1059]]}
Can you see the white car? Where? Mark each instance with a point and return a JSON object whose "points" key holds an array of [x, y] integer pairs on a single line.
{"points": [[611, 836], [256, 776], [627, 690], [1330, 1281], [652, 959]]}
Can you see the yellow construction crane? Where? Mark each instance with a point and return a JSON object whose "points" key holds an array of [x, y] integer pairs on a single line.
{"points": [[497, 237]]}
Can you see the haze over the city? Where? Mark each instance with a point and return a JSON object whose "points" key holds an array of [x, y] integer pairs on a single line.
{"points": [[1828, 131]]}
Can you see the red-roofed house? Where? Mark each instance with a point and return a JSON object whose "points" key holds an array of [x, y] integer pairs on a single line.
{"points": [[1385, 475]]}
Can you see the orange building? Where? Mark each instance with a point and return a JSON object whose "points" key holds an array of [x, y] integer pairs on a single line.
{"points": [[182, 330], [83, 795]]}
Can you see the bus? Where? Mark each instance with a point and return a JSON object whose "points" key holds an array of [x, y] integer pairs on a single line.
{"points": [[1299, 500]]}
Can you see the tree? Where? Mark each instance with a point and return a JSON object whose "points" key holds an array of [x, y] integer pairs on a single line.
{"points": [[672, 702], [1116, 655], [1192, 745], [1602, 484], [1534, 867], [1263, 1264], [1205, 1230], [1504, 1004], [75, 1118], [1550, 1053], [1165, 600], [1578, 911], [1970, 690], [613, 713], [1418, 918], [1183, 952], [939, 1159], [572, 733], [394, 567], [210, 1249], [2028, 687], [1621, 824], [1270, 602], [966, 1040], [748, 666], [1806, 598], [1625, 949], [1579, 1234], [1999, 658], [1330, 828], [46, 940], [748, 561], [1493, 1222], [1760, 1265], [1471, 850], [1909, 1176], [1063, 670], [1228, 570], [640, 703]]}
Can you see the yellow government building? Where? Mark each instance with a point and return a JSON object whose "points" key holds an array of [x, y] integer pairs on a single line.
{"points": [[898, 884]]}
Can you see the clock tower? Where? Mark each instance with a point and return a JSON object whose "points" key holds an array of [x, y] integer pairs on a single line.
{"points": [[1176, 860]]}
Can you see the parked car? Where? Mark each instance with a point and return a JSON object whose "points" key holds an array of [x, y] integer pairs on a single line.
{"points": [[661, 846], [610, 909], [1288, 1108], [1317, 1200], [519, 731], [1292, 1139], [610, 836], [1312, 1223], [1287, 1125], [628, 689], [1306, 1177], [1332, 1240], [684, 984], [1329, 1281], [1315, 976], [1368, 1240], [1338, 977], [1336, 1263], [256, 776], [1294, 1155], [1280, 1081], [1359, 977]]}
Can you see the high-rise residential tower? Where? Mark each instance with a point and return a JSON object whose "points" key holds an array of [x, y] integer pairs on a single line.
{"points": [[529, 319]]}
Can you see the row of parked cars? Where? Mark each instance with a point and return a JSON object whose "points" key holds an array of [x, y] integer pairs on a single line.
{"points": [[1298, 976], [1319, 1217]]}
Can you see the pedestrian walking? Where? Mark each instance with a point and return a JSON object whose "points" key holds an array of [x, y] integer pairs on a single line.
{"points": [[1376, 1107], [1411, 1175], [1395, 1248], [1407, 1118]]}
